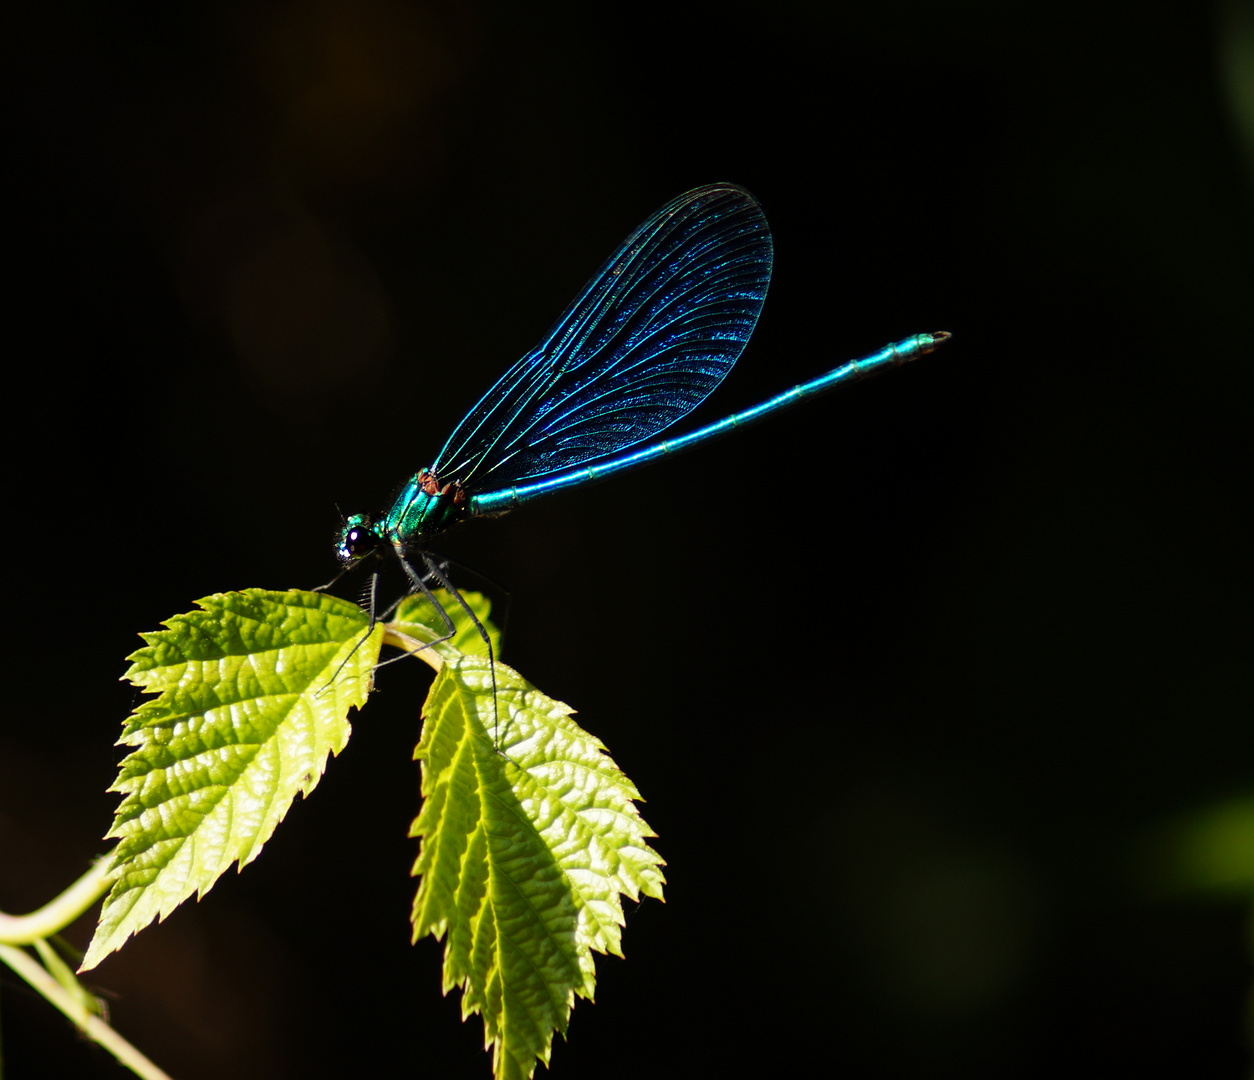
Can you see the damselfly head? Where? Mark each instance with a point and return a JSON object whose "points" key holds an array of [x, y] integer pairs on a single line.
{"points": [[357, 539]]}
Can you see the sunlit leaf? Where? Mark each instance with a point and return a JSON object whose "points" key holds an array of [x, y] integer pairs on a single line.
{"points": [[254, 691], [527, 847]]}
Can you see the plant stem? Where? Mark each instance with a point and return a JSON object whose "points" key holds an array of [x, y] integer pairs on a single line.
{"points": [[57, 914], [92, 1026]]}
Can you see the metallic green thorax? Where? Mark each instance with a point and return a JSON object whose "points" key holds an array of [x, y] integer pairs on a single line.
{"points": [[424, 508]]}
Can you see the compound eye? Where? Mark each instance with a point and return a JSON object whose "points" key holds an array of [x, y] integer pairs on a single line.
{"points": [[358, 541]]}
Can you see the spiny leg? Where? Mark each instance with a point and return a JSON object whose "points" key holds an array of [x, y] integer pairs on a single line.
{"points": [[501, 606], [374, 584], [447, 585], [419, 585]]}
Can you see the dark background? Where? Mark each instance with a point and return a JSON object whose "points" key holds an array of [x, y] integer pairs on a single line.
{"points": [[923, 681]]}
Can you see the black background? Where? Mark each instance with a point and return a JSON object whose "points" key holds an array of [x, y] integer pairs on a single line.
{"points": [[920, 680]]}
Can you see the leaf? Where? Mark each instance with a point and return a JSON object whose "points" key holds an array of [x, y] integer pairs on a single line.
{"points": [[525, 852], [254, 694]]}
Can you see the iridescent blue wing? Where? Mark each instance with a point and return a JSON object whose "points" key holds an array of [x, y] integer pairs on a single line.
{"points": [[651, 335]]}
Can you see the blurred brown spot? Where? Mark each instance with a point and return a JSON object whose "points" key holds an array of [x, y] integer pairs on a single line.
{"points": [[355, 84]]}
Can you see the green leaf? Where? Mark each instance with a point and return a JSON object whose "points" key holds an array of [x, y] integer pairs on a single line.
{"points": [[254, 694], [525, 852]]}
